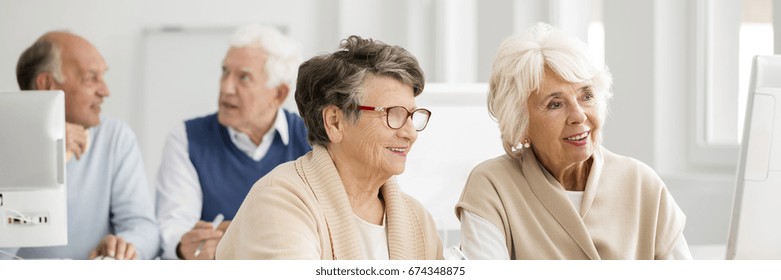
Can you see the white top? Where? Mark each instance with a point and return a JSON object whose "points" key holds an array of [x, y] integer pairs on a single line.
{"points": [[179, 195], [477, 232], [374, 239]]}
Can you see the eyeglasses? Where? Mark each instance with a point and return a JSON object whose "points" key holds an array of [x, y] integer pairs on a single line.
{"points": [[396, 116]]}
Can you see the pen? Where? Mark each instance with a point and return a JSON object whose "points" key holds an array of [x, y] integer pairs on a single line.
{"points": [[215, 224]]}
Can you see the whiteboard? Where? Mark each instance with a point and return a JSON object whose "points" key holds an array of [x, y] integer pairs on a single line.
{"points": [[179, 80]]}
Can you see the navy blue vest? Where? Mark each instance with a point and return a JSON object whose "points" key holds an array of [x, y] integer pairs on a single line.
{"points": [[226, 173]]}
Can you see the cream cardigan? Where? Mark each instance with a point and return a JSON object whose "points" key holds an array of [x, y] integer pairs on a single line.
{"points": [[626, 212], [300, 210]]}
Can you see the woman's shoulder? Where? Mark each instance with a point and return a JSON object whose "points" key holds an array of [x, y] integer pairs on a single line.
{"points": [[491, 177], [624, 169], [614, 162], [413, 203], [422, 214], [493, 165], [284, 176]]}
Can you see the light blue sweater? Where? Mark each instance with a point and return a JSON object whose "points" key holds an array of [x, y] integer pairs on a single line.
{"points": [[107, 193]]}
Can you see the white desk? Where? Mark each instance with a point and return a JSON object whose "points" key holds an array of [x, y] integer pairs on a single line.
{"points": [[709, 251]]}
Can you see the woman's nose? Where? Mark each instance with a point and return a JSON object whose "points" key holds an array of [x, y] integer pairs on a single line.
{"points": [[576, 115], [408, 130]]}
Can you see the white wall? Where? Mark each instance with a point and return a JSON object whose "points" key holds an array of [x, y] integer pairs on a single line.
{"points": [[115, 27]]}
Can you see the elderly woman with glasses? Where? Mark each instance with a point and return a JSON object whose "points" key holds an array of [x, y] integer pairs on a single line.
{"points": [[557, 193], [341, 201]]}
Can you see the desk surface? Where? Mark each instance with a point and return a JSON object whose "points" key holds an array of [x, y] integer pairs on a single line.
{"points": [[709, 251]]}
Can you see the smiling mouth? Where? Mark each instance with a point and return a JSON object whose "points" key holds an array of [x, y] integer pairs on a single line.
{"points": [[579, 136], [397, 150]]}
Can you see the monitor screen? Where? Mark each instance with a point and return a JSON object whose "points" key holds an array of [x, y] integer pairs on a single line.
{"points": [[32, 169], [755, 229]]}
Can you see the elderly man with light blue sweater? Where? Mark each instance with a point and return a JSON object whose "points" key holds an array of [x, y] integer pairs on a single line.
{"points": [[110, 209]]}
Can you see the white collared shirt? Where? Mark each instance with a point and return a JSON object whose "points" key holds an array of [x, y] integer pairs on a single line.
{"points": [[179, 195], [257, 152]]}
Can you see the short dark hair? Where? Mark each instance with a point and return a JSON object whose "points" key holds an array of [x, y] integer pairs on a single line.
{"points": [[42, 56], [337, 79]]}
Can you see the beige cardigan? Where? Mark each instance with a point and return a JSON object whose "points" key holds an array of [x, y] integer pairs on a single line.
{"points": [[626, 213], [300, 210]]}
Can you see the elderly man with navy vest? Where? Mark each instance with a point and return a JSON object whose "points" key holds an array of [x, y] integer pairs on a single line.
{"points": [[210, 163]]}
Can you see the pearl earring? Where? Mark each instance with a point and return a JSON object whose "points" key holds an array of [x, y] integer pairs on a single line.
{"points": [[526, 144]]}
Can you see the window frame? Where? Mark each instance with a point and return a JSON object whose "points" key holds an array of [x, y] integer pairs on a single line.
{"points": [[703, 152]]}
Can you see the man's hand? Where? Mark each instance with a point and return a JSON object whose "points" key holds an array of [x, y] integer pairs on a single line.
{"points": [[76, 141], [202, 232], [224, 226], [115, 247]]}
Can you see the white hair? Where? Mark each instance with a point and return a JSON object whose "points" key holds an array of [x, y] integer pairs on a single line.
{"points": [[284, 54], [518, 71], [55, 65]]}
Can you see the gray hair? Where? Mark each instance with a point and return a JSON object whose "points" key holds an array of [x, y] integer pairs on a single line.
{"points": [[42, 57], [518, 71], [284, 54], [338, 79]]}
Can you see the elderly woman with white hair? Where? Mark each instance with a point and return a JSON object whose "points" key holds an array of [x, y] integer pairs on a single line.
{"points": [[557, 193]]}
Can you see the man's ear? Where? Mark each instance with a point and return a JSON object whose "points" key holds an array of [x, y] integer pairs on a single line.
{"points": [[282, 91], [45, 81], [334, 121]]}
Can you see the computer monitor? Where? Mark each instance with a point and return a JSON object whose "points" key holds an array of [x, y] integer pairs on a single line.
{"points": [[32, 169], [755, 229]]}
